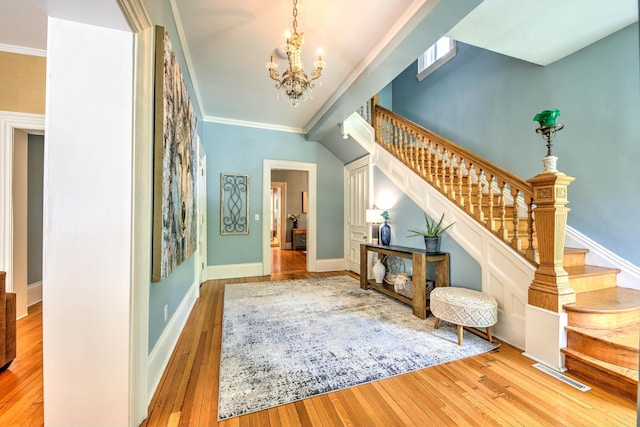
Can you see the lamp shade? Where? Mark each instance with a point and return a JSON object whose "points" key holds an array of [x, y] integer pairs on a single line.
{"points": [[374, 216]]}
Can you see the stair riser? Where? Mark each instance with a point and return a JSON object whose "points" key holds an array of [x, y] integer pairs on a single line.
{"points": [[573, 259], [602, 350], [605, 379], [603, 320], [593, 283]]}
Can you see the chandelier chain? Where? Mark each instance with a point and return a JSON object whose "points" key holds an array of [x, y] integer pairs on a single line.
{"points": [[295, 16]]}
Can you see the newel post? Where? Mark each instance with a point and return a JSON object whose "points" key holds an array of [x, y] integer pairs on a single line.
{"points": [[550, 288]]}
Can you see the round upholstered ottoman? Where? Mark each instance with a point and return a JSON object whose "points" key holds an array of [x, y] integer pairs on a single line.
{"points": [[464, 307]]}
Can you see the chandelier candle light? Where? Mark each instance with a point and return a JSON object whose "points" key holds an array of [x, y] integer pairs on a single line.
{"points": [[294, 82]]}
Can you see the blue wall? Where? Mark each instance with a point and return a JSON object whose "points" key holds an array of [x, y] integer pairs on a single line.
{"points": [[174, 288], [485, 102], [35, 170], [236, 149]]}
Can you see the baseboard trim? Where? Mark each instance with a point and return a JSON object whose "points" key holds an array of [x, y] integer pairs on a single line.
{"points": [[34, 293], [231, 271], [335, 264], [629, 276], [159, 357]]}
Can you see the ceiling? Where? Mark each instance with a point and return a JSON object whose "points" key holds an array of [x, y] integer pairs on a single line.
{"points": [[228, 43]]}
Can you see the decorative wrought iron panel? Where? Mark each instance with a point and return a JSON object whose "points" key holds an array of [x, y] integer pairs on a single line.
{"points": [[234, 203]]}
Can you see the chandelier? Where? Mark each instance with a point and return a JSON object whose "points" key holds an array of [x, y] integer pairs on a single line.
{"points": [[294, 82]]}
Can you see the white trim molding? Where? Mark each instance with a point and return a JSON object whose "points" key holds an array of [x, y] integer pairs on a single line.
{"points": [[257, 125], [34, 293], [231, 271], [629, 276], [159, 357], [9, 122], [335, 264], [22, 50]]}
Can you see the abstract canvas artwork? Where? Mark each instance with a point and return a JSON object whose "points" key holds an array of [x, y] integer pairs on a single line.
{"points": [[234, 203], [174, 166]]}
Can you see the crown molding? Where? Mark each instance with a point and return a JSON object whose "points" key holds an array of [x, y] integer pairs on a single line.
{"points": [[257, 125], [136, 15], [22, 50]]}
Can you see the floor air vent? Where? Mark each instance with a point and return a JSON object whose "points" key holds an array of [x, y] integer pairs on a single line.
{"points": [[561, 377]]}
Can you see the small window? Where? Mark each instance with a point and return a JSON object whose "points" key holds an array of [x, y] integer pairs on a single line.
{"points": [[436, 56]]}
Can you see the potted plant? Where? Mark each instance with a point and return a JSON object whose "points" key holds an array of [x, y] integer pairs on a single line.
{"points": [[432, 234]]}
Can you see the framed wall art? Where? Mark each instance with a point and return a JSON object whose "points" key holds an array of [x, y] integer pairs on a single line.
{"points": [[174, 165], [234, 203]]}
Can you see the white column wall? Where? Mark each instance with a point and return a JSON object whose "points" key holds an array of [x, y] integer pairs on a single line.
{"points": [[87, 226]]}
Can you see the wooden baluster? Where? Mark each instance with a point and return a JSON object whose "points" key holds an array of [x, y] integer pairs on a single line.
{"points": [[443, 170], [429, 161], [452, 189], [414, 151], [421, 160], [515, 241], [502, 231], [395, 139], [480, 214], [436, 175], [471, 171], [490, 221], [531, 252], [460, 175]]}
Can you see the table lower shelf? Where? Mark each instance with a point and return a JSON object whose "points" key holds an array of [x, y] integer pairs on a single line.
{"points": [[388, 290]]}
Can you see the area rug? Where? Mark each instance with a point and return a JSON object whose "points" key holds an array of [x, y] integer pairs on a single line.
{"points": [[289, 340]]}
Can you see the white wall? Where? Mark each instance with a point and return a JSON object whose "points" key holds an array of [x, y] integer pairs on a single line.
{"points": [[87, 225]]}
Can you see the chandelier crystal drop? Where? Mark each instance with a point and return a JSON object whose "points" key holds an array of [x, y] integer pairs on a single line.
{"points": [[294, 83]]}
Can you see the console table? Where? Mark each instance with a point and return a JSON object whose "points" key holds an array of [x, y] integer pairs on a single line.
{"points": [[299, 238], [418, 259]]}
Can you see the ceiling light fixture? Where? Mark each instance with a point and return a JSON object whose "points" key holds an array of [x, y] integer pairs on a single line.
{"points": [[294, 82]]}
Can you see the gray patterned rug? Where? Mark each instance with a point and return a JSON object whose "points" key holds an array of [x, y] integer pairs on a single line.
{"points": [[286, 341]]}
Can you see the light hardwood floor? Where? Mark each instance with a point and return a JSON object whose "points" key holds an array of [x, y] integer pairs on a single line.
{"points": [[497, 388]]}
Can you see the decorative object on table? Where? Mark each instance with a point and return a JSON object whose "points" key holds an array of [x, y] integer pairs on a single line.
{"points": [[385, 230], [403, 285], [295, 219], [395, 266], [432, 233], [431, 285], [378, 271], [234, 203], [374, 216], [294, 82], [548, 128], [175, 164], [338, 327]]}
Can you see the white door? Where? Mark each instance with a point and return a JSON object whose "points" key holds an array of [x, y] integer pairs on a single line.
{"points": [[356, 202], [202, 218]]}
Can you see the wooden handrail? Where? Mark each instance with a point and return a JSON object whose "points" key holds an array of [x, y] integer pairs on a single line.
{"points": [[500, 200]]}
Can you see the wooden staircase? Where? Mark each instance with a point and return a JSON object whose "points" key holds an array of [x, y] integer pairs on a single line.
{"points": [[603, 327], [602, 336]]}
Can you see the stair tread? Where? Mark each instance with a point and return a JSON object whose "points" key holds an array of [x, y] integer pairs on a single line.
{"points": [[606, 300], [589, 270], [568, 250], [631, 374], [627, 337]]}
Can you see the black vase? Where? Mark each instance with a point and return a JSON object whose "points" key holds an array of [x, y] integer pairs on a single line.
{"points": [[295, 224], [385, 234], [432, 244]]}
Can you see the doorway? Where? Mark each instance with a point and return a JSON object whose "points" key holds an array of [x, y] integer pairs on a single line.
{"points": [[278, 217], [294, 207], [14, 132]]}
